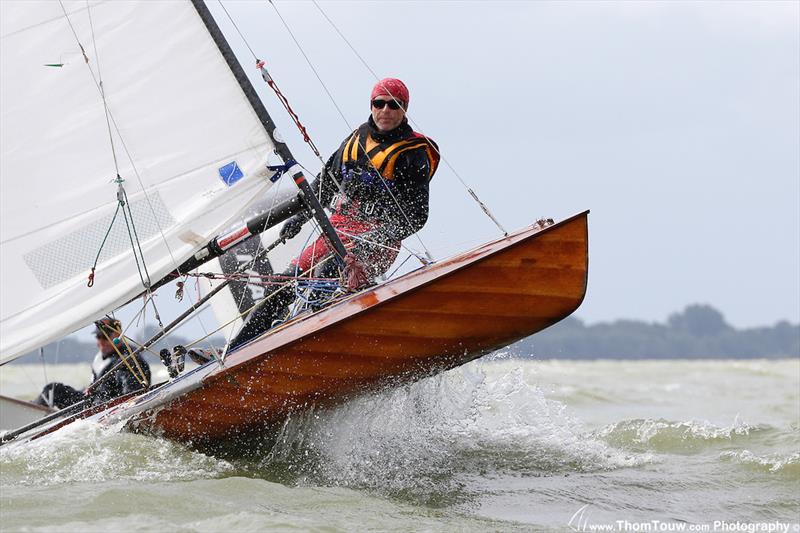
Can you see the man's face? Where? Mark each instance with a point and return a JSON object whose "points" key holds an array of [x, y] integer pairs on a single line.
{"points": [[386, 118], [104, 345]]}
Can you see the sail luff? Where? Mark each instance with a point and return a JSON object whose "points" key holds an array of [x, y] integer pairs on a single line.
{"points": [[214, 31]]}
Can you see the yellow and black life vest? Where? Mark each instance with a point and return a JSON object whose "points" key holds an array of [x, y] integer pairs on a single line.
{"points": [[361, 147]]}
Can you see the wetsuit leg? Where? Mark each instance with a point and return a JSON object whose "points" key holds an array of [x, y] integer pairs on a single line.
{"points": [[61, 395], [262, 318]]}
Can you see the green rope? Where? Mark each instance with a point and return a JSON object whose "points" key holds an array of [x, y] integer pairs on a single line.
{"points": [[133, 246], [97, 258], [133, 235], [136, 236]]}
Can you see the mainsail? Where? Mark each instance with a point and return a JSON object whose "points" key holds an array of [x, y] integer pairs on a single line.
{"points": [[186, 140]]}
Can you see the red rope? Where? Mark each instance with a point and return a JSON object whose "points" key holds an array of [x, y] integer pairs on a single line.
{"points": [[243, 276], [261, 65]]}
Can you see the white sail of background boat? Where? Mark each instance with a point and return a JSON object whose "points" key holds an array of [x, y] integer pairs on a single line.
{"points": [[188, 145]]}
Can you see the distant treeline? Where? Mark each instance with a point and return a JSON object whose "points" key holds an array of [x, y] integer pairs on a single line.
{"points": [[699, 331]]}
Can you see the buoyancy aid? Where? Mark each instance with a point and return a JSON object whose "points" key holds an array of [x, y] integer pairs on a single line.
{"points": [[361, 149]]}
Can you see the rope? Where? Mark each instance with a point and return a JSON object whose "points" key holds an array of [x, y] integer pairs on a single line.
{"points": [[148, 284], [135, 320], [110, 120], [284, 101], [132, 226], [271, 82], [102, 244], [250, 310], [350, 127], [142, 381], [247, 277], [128, 347], [136, 245], [102, 89], [472, 193], [306, 288], [398, 267]]}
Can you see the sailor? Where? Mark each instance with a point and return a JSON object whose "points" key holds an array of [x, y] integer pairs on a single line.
{"points": [[376, 186], [124, 376]]}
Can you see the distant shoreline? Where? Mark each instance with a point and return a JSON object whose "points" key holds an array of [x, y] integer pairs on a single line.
{"points": [[689, 335], [694, 333]]}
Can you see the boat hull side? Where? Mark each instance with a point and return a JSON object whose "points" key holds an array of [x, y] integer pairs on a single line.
{"points": [[486, 303]]}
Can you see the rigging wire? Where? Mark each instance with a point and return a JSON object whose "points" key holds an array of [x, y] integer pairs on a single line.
{"points": [[51, 392], [102, 88], [141, 379], [125, 339], [472, 193], [341, 113], [121, 194], [252, 263], [284, 101], [399, 267], [252, 309], [126, 203], [350, 127], [44, 364], [311, 65], [111, 120]]}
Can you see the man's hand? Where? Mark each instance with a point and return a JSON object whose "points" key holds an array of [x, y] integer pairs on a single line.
{"points": [[292, 227]]}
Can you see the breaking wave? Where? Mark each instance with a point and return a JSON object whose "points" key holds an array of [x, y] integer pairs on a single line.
{"points": [[665, 436], [773, 463], [85, 451]]}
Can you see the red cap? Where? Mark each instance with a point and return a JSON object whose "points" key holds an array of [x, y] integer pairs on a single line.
{"points": [[391, 87]]}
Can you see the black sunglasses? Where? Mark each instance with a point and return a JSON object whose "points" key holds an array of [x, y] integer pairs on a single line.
{"points": [[393, 104]]}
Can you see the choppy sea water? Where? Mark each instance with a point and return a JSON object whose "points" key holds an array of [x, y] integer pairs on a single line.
{"points": [[496, 445]]}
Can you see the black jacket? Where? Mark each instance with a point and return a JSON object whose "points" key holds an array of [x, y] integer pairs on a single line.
{"points": [[398, 199], [122, 381]]}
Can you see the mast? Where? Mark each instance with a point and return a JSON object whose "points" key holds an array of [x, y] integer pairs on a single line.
{"points": [[304, 197], [244, 82]]}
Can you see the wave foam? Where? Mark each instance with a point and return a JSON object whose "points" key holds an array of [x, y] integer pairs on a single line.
{"points": [[775, 463], [422, 437], [676, 437], [85, 451]]}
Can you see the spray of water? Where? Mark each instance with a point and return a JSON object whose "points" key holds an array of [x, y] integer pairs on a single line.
{"points": [[424, 441]]}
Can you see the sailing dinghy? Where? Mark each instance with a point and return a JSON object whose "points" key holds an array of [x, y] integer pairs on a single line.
{"points": [[132, 142]]}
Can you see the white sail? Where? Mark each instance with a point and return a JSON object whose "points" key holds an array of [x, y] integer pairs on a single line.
{"points": [[189, 146]]}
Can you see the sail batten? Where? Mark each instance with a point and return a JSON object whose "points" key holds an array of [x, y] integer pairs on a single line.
{"points": [[190, 147]]}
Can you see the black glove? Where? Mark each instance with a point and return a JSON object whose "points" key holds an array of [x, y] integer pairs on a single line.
{"points": [[292, 227]]}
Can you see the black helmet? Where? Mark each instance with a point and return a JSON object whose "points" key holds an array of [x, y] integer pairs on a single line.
{"points": [[107, 327]]}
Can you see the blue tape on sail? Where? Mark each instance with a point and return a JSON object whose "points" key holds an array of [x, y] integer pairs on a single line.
{"points": [[280, 169], [230, 173]]}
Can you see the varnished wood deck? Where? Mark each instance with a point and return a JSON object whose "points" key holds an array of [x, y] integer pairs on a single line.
{"points": [[435, 318]]}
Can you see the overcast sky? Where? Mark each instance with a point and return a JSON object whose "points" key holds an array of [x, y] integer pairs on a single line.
{"points": [[676, 123]]}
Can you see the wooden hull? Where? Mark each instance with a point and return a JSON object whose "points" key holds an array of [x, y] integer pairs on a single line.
{"points": [[429, 320]]}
